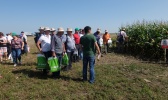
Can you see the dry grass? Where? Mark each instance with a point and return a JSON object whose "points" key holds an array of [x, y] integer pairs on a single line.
{"points": [[117, 77]]}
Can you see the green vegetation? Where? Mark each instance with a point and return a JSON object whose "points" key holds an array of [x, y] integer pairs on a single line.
{"points": [[118, 77], [145, 38]]}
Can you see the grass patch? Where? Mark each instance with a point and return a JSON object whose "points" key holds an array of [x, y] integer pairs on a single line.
{"points": [[117, 77]]}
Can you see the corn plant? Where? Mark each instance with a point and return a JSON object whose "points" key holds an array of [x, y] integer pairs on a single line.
{"points": [[145, 38]]}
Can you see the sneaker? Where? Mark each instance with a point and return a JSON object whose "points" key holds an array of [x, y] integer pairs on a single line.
{"points": [[15, 65], [20, 63]]}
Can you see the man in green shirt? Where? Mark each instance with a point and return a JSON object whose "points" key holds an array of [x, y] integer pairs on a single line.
{"points": [[89, 45]]}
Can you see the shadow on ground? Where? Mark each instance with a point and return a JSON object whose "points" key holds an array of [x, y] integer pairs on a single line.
{"points": [[39, 75]]}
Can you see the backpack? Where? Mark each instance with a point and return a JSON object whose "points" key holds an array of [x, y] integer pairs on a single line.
{"points": [[120, 38]]}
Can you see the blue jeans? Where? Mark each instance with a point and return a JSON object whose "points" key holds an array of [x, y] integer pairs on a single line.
{"points": [[81, 55], [59, 56], [16, 54], [25, 48], [91, 61]]}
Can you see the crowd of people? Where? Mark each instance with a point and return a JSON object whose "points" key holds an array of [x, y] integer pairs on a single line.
{"points": [[12, 46], [80, 45]]}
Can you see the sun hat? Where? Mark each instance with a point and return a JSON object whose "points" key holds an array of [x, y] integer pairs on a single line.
{"points": [[69, 30], [76, 29], [46, 29], [60, 29], [98, 29], [52, 29], [123, 29], [106, 31], [41, 28]]}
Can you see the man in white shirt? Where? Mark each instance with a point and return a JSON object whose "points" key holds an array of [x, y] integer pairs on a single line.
{"points": [[123, 33], [24, 35], [121, 39], [45, 48], [24, 39]]}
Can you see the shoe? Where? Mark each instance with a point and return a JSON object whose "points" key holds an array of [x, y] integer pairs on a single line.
{"points": [[19, 63], [15, 65], [66, 69], [91, 82], [84, 80]]}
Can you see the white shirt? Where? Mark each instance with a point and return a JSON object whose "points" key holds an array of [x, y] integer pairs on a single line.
{"points": [[25, 37], [9, 38], [80, 35], [101, 41], [45, 43], [122, 33]]}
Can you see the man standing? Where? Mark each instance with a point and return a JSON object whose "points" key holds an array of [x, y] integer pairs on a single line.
{"points": [[77, 40], [121, 39], [97, 36], [53, 31], [58, 48], [70, 47], [89, 44], [106, 37], [45, 47], [9, 38], [24, 39], [38, 35]]}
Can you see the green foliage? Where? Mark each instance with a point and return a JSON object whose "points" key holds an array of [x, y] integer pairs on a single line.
{"points": [[145, 38]]}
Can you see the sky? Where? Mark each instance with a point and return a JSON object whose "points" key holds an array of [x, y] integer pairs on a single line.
{"points": [[29, 15]]}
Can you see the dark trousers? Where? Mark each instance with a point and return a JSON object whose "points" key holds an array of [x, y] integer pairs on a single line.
{"points": [[47, 55], [8, 49], [106, 48]]}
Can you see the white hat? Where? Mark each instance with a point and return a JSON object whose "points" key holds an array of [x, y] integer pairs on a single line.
{"points": [[98, 30], [52, 29], [106, 30], [60, 29], [46, 29], [69, 30], [41, 28]]}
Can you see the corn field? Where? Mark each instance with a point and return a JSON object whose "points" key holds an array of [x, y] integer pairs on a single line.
{"points": [[145, 39]]}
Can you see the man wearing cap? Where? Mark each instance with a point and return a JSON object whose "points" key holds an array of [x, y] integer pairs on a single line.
{"points": [[97, 36], [53, 31], [41, 29], [58, 48], [121, 39], [77, 41], [106, 37], [45, 48], [89, 44], [70, 47]]}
